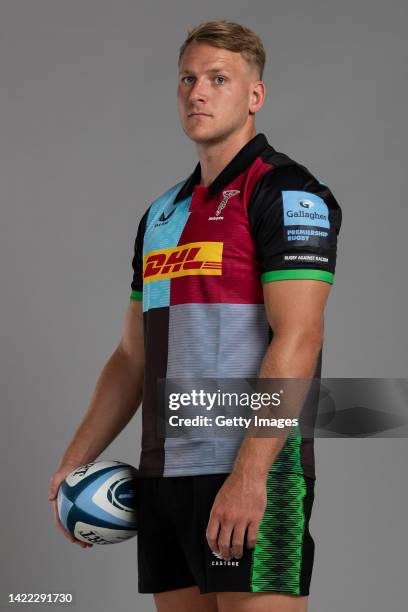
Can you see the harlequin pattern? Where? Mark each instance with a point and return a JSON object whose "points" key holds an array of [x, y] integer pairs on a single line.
{"points": [[278, 554]]}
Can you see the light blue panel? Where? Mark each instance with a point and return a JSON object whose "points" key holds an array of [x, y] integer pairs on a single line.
{"points": [[304, 208], [165, 224], [156, 294]]}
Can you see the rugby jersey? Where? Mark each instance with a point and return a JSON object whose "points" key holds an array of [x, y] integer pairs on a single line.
{"points": [[201, 255]]}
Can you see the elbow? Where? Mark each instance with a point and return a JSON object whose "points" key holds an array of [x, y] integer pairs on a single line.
{"points": [[302, 340]]}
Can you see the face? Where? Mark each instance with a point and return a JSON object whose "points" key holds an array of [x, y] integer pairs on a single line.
{"points": [[218, 93]]}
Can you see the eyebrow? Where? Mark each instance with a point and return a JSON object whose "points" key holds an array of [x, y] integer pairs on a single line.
{"points": [[216, 69]]}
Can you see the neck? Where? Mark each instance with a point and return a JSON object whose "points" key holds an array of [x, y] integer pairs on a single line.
{"points": [[214, 156]]}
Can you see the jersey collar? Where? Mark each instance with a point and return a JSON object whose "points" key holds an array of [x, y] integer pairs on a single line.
{"points": [[242, 160]]}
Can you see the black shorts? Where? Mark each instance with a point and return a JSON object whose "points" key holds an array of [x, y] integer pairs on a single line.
{"points": [[173, 552]]}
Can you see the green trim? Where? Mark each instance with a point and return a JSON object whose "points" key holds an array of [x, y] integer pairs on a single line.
{"points": [[276, 563], [136, 295], [305, 273]]}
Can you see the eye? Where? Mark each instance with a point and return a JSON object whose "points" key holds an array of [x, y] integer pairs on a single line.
{"points": [[183, 80], [220, 77]]}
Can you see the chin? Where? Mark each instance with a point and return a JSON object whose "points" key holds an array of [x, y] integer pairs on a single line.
{"points": [[198, 135], [201, 134]]}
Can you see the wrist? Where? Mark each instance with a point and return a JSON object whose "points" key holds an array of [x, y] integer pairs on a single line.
{"points": [[73, 463], [250, 471]]}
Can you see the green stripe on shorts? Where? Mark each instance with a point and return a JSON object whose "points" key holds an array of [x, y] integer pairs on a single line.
{"points": [[277, 556]]}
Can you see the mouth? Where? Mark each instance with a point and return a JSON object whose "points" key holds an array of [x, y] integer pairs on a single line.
{"points": [[199, 115]]}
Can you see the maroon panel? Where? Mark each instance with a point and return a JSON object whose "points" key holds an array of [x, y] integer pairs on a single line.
{"points": [[239, 282]]}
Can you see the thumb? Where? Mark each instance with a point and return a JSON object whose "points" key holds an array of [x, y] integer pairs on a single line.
{"points": [[58, 477]]}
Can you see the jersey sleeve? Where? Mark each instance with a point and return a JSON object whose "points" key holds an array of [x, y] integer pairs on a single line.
{"points": [[295, 221], [137, 261]]}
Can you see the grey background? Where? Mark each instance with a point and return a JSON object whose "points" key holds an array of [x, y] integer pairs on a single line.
{"points": [[89, 137]]}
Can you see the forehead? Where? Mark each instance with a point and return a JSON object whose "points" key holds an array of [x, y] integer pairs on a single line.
{"points": [[202, 56]]}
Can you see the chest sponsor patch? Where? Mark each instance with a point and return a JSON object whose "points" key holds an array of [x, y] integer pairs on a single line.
{"points": [[304, 208], [184, 260]]}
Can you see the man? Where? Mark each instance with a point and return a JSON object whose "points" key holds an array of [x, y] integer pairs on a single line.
{"points": [[232, 269]]}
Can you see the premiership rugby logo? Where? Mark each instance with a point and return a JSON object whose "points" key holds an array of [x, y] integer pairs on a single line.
{"points": [[184, 260], [226, 196]]}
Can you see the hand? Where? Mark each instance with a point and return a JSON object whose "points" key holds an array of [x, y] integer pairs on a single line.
{"points": [[239, 505], [56, 480]]}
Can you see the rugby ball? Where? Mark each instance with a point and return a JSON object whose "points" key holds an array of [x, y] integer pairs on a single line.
{"points": [[97, 502]]}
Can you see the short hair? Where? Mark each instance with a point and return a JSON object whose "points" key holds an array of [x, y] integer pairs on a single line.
{"points": [[231, 36]]}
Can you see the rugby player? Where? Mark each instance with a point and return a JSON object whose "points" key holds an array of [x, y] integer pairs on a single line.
{"points": [[232, 268]]}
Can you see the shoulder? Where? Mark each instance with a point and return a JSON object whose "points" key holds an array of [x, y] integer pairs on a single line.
{"points": [[158, 204], [289, 186], [286, 174], [161, 201]]}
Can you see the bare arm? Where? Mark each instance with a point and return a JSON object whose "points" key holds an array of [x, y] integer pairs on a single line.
{"points": [[117, 394], [295, 312], [116, 397]]}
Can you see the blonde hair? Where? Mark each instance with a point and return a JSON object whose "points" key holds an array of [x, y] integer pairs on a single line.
{"points": [[231, 36]]}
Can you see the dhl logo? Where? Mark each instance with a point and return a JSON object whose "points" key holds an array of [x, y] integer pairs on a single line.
{"points": [[183, 260]]}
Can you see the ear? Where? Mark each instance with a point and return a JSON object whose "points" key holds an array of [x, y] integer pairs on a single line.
{"points": [[257, 96]]}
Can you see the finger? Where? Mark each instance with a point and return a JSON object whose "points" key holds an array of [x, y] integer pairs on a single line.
{"points": [[224, 540], [56, 480], [212, 533], [58, 477], [65, 532], [58, 523], [252, 534], [53, 490], [60, 526], [237, 542]]}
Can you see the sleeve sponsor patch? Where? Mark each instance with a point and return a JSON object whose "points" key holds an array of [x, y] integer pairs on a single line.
{"points": [[302, 208], [295, 222]]}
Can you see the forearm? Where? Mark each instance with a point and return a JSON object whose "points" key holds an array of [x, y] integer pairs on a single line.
{"points": [[294, 359], [116, 397]]}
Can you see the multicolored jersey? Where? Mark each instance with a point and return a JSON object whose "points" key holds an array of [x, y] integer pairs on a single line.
{"points": [[201, 255]]}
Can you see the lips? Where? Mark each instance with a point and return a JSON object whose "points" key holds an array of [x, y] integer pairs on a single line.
{"points": [[198, 115]]}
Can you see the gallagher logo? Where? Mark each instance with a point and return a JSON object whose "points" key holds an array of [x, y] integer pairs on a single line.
{"points": [[184, 260], [306, 204]]}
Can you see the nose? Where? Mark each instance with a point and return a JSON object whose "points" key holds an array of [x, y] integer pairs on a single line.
{"points": [[198, 92]]}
